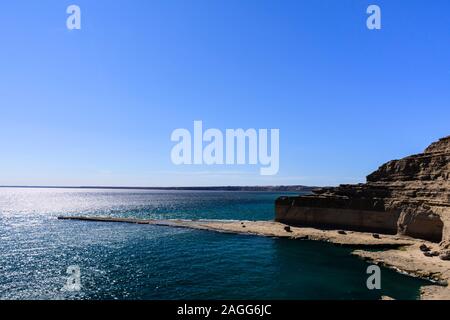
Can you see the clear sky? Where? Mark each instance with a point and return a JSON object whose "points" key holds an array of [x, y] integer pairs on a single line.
{"points": [[97, 106]]}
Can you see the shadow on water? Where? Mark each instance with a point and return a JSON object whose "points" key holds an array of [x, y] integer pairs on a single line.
{"points": [[317, 270]]}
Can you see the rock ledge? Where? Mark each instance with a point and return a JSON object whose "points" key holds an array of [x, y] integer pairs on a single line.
{"points": [[410, 196]]}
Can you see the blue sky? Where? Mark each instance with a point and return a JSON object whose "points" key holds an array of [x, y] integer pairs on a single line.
{"points": [[97, 106]]}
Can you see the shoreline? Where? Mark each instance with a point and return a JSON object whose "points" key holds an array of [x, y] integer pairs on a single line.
{"points": [[399, 253]]}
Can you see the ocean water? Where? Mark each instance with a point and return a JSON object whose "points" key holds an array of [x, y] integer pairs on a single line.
{"points": [[126, 261]]}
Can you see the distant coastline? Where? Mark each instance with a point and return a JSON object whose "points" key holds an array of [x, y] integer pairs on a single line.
{"points": [[290, 188]]}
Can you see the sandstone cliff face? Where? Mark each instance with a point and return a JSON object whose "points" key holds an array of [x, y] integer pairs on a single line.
{"points": [[410, 196]]}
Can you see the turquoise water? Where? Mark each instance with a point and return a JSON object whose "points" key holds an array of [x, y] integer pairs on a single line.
{"points": [[125, 261]]}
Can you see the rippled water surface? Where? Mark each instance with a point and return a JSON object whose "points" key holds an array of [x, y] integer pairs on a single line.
{"points": [[125, 261]]}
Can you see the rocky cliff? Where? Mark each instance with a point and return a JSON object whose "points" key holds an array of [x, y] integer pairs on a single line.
{"points": [[410, 196]]}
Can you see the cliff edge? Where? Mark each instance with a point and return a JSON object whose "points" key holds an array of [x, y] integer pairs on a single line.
{"points": [[410, 196]]}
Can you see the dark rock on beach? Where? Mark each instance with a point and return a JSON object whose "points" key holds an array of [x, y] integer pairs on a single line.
{"points": [[445, 255]]}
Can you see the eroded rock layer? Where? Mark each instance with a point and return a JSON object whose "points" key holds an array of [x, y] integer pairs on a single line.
{"points": [[410, 196]]}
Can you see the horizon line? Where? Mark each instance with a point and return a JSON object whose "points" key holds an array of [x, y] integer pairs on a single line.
{"points": [[223, 187]]}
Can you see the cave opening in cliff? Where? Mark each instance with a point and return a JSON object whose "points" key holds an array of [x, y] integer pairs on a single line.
{"points": [[423, 226]]}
